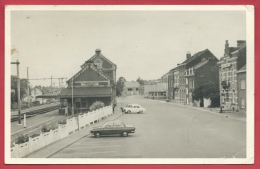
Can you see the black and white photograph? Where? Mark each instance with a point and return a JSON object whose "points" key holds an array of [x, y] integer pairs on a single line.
{"points": [[118, 84]]}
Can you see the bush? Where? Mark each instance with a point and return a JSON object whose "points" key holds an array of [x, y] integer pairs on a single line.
{"points": [[53, 127], [22, 139], [63, 121], [45, 129], [96, 105], [34, 135]]}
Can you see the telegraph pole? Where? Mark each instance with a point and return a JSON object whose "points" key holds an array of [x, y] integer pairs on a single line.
{"points": [[28, 87], [72, 107], [18, 91], [51, 80]]}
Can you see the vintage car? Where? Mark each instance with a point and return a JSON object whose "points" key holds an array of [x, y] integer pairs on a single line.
{"points": [[133, 108], [113, 128]]}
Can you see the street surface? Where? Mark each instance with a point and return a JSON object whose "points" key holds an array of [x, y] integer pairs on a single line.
{"points": [[165, 131]]}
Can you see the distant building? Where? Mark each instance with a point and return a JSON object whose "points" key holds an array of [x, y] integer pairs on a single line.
{"points": [[37, 92], [131, 88], [155, 91], [171, 85], [230, 65], [164, 79]]}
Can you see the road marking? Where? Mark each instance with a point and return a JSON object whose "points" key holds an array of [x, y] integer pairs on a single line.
{"points": [[92, 147], [32, 126], [84, 153]]}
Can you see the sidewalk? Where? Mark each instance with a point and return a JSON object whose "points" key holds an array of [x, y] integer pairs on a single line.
{"points": [[51, 149], [240, 116]]}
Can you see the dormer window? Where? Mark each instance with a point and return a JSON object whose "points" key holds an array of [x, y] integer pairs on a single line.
{"points": [[98, 63]]}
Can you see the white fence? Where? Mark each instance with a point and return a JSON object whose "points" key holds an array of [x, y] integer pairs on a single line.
{"points": [[72, 125]]}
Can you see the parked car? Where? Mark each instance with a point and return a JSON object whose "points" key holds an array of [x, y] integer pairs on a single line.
{"points": [[113, 128], [133, 108]]}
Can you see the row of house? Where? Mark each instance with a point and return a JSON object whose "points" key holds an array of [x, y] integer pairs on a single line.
{"points": [[227, 74]]}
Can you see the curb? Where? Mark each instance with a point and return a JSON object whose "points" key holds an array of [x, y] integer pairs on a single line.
{"points": [[203, 109]]}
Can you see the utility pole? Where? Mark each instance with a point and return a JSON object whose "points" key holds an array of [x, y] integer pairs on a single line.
{"points": [[18, 91], [28, 87], [51, 80], [72, 108]]}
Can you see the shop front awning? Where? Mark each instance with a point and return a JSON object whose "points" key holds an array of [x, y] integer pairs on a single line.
{"points": [[86, 92]]}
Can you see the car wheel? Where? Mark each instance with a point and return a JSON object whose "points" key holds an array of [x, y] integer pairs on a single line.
{"points": [[124, 134], [128, 111], [97, 134], [141, 111]]}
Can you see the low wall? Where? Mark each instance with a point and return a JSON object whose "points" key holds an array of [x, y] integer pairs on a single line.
{"points": [[72, 125]]}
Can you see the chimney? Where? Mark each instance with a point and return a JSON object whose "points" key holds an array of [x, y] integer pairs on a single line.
{"points": [[226, 48], [240, 43], [188, 55], [98, 51]]}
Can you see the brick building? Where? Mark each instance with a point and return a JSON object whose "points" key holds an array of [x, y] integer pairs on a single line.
{"points": [[201, 69], [94, 82], [233, 60], [193, 72], [241, 88]]}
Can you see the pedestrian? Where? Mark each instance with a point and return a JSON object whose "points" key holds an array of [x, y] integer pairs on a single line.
{"points": [[114, 105]]}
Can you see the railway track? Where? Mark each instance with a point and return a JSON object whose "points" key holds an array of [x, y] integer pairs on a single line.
{"points": [[35, 112]]}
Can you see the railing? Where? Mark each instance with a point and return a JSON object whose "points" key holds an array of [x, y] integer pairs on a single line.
{"points": [[72, 125]]}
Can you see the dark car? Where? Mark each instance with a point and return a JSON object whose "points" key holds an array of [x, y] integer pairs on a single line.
{"points": [[113, 128]]}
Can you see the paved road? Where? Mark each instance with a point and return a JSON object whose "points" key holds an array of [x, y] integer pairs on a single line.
{"points": [[166, 131]]}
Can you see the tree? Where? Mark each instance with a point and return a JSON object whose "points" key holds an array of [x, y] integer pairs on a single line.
{"points": [[140, 81], [208, 90], [23, 88], [120, 84]]}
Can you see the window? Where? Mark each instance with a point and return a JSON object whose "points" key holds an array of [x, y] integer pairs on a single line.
{"points": [[98, 63], [243, 103], [118, 124], [129, 89], [108, 124], [81, 103], [243, 84]]}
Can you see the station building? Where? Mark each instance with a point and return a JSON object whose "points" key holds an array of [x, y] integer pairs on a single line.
{"points": [[95, 81]]}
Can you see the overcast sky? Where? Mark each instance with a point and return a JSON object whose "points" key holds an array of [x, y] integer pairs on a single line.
{"points": [[144, 44]]}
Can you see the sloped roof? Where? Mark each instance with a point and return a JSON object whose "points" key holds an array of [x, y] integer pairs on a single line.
{"points": [[86, 92], [93, 68], [195, 56], [201, 64], [53, 94], [242, 69], [100, 54]]}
